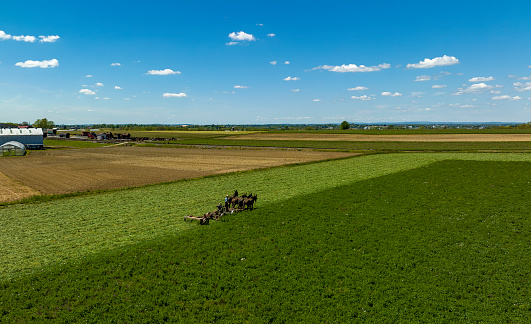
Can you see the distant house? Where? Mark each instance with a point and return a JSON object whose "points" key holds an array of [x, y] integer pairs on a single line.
{"points": [[32, 138]]}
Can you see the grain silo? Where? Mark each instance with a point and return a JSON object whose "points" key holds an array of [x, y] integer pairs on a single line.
{"points": [[32, 138]]}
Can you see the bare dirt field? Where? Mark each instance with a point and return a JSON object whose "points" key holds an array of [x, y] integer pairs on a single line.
{"points": [[67, 171], [12, 190], [388, 138]]}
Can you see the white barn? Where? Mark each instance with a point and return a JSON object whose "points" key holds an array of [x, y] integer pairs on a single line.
{"points": [[32, 138]]}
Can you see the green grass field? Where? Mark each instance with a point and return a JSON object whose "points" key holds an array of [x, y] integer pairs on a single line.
{"points": [[69, 144], [370, 146], [399, 237]]}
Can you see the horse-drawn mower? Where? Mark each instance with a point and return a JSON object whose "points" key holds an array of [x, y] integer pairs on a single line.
{"points": [[233, 204]]}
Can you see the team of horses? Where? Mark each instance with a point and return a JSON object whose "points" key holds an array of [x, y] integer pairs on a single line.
{"points": [[232, 204], [245, 201]]}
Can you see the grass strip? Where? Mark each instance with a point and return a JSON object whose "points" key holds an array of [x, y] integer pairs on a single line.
{"points": [[69, 144], [447, 242], [34, 235], [373, 145]]}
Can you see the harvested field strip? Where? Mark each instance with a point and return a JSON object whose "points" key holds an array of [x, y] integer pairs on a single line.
{"points": [[388, 138], [34, 235], [445, 243], [68, 171], [372, 146], [12, 190]]}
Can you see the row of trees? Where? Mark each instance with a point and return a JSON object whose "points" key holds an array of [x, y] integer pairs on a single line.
{"points": [[45, 123]]}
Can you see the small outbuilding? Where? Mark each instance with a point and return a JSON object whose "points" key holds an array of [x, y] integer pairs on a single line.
{"points": [[12, 149]]}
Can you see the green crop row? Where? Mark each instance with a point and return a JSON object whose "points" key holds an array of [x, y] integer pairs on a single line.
{"points": [[373, 146], [445, 242], [35, 235]]}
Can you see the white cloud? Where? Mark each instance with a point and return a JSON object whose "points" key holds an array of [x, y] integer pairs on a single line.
{"points": [[87, 92], [474, 88], [506, 97], [417, 94], [358, 88], [438, 86], [42, 64], [174, 95], [106, 98], [296, 90], [48, 39], [116, 64], [240, 87], [27, 39], [89, 76], [423, 78], [495, 91], [389, 94], [353, 68], [364, 97], [286, 62], [231, 43], [163, 72], [525, 78], [467, 106], [259, 24], [4, 36], [291, 78], [519, 86], [479, 87], [273, 62], [241, 36], [271, 35], [316, 100], [99, 84], [118, 88], [481, 79], [438, 61]]}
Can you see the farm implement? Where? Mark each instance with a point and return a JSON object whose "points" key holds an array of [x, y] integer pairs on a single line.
{"points": [[233, 204]]}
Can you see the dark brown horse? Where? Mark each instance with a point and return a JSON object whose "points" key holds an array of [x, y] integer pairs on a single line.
{"points": [[248, 203], [238, 201]]}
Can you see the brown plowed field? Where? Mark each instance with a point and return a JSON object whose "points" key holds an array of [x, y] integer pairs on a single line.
{"points": [[67, 171], [389, 138]]}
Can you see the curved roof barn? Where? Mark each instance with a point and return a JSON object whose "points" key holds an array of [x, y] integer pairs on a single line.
{"points": [[12, 148], [32, 138]]}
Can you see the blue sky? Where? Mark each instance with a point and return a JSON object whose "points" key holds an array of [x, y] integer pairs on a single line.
{"points": [[261, 62]]}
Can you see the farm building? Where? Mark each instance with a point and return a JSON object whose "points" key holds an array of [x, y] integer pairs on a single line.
{"points": [[32, 138], [12, 149]]}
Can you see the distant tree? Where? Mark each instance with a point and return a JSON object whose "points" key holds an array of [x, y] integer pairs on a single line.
{"points": [[43, 123], [344, 125], [524, 126]]}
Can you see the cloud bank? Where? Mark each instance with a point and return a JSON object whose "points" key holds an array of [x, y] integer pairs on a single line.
{"points": [[174, 95], [42, 64], [163, 72], [438, 61], [353, 68]]}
